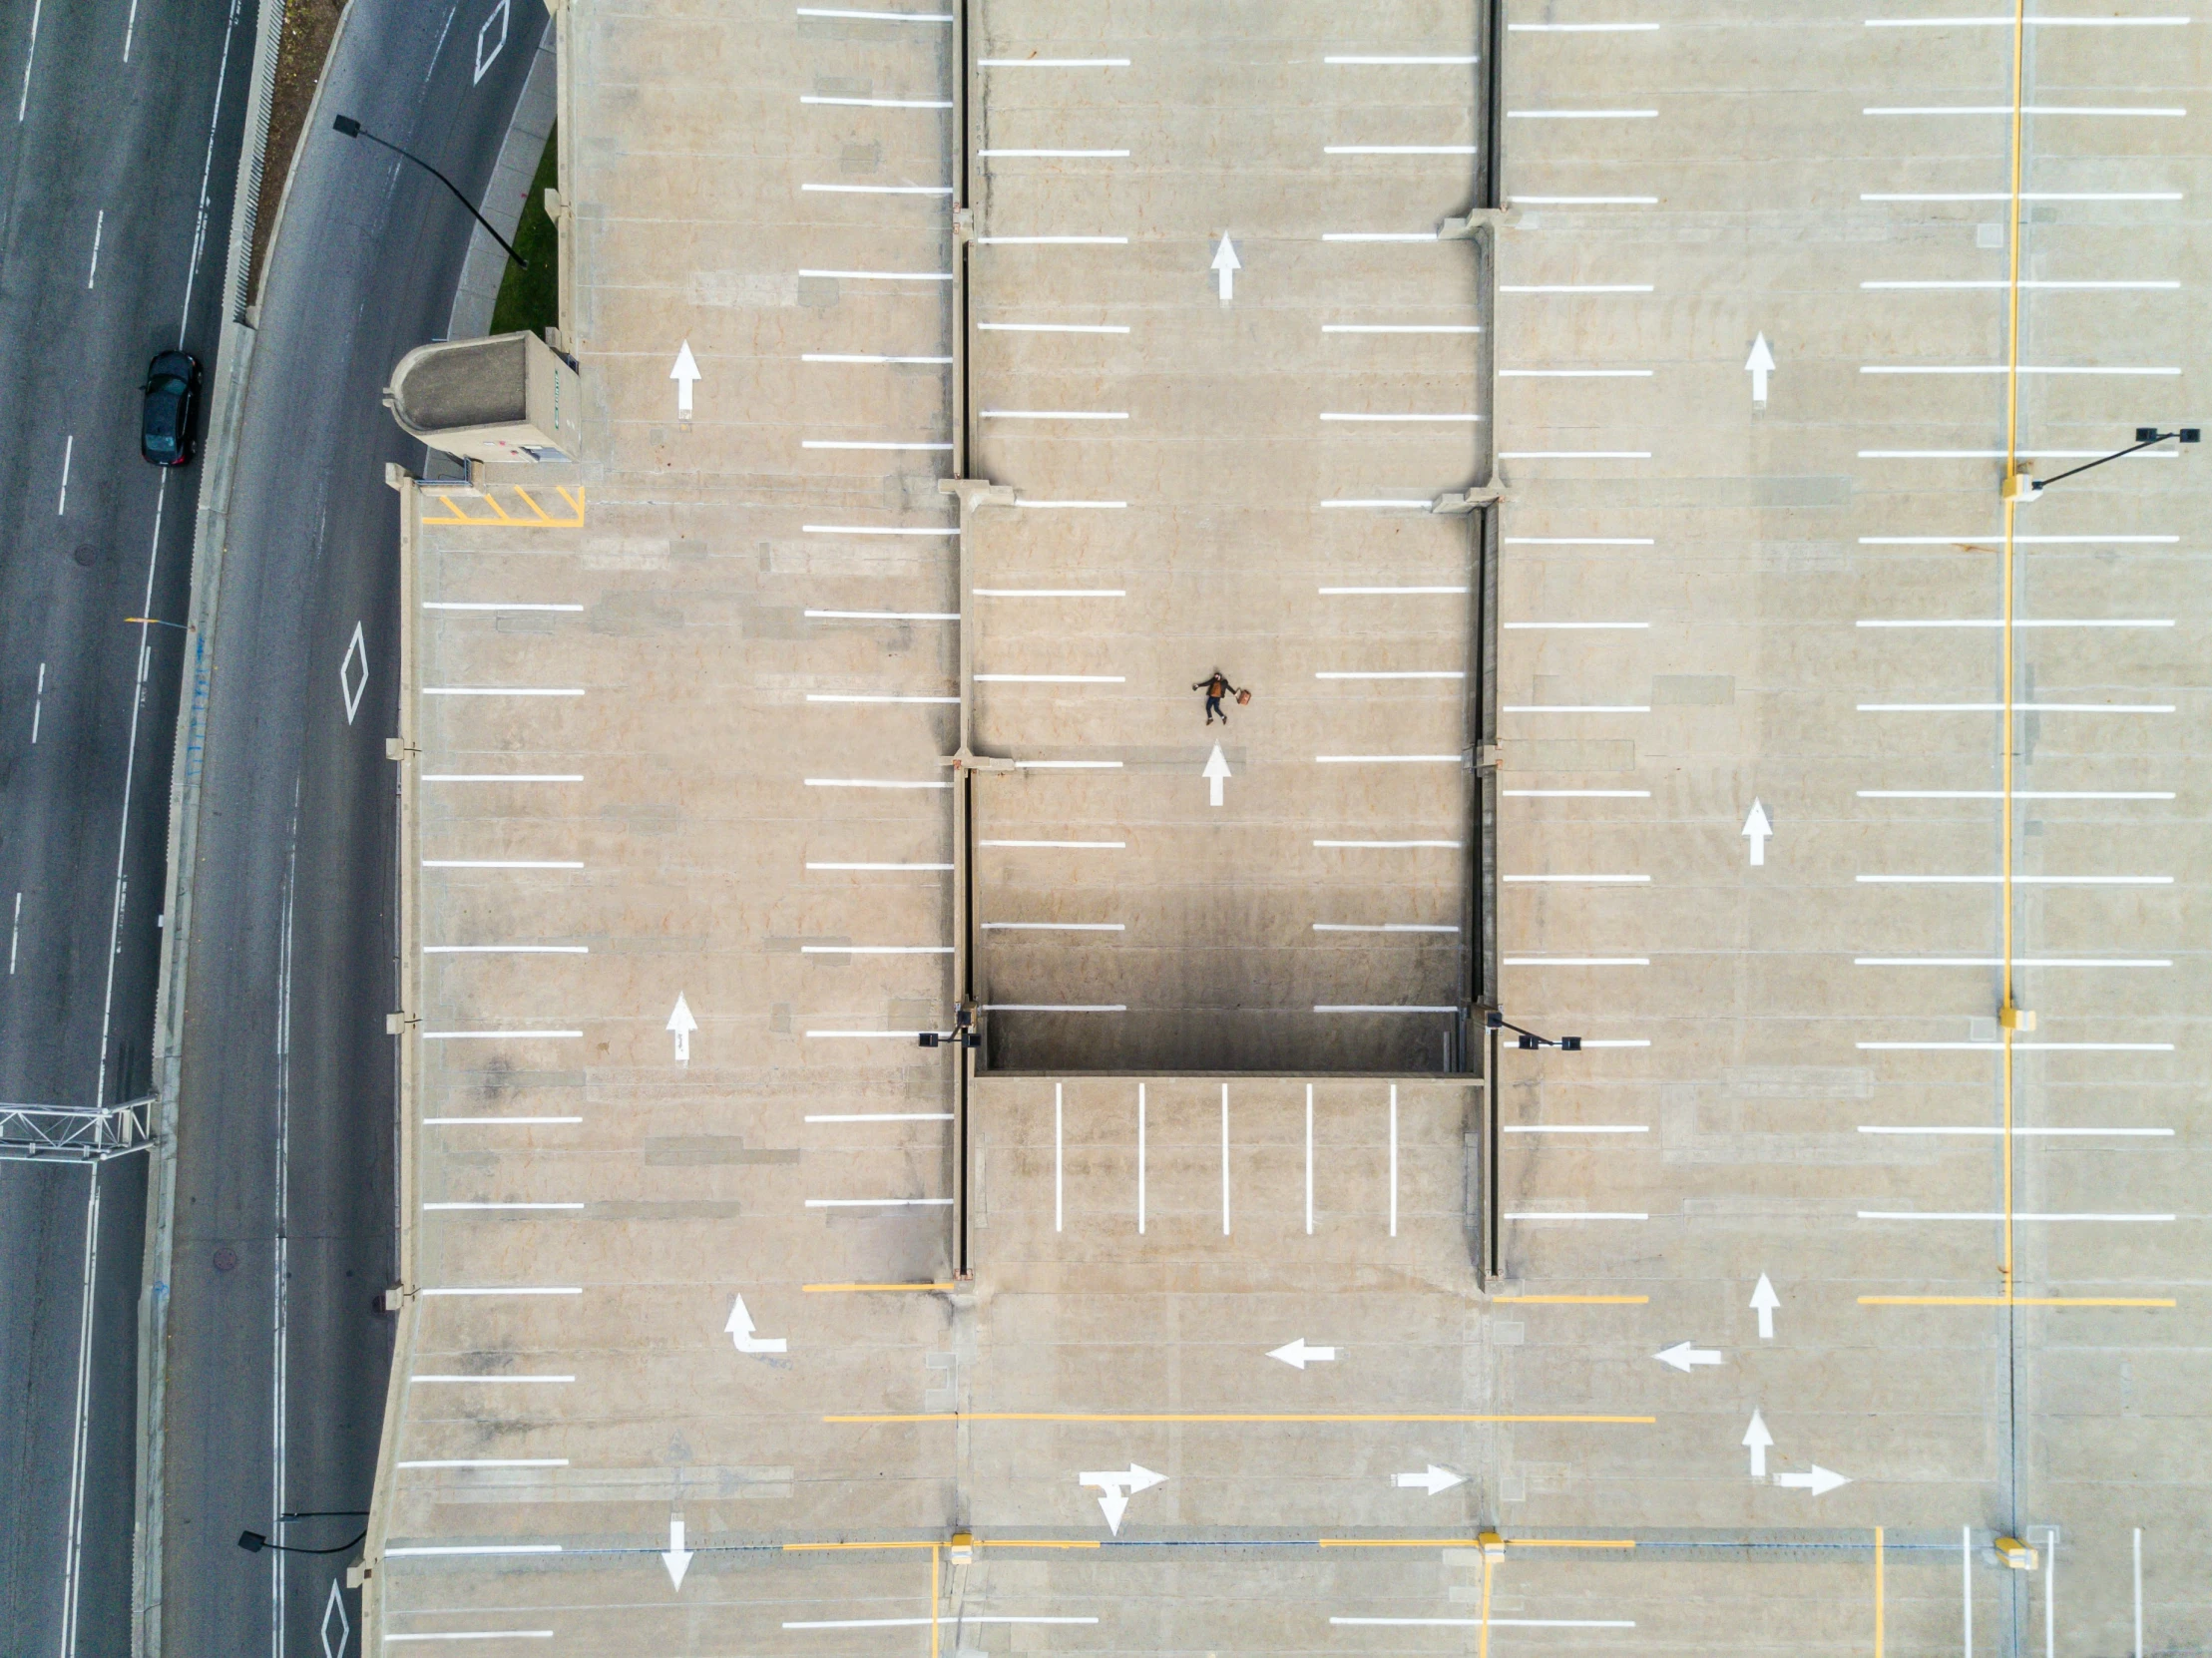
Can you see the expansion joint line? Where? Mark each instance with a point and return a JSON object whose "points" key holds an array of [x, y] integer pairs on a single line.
{"points": [[2007, 1022]]}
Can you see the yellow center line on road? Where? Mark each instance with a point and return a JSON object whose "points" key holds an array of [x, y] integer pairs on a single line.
{"points": [[1223, 1417]]}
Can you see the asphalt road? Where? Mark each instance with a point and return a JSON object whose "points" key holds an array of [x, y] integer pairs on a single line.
{"points": [[125, 140], [286, 1063]]}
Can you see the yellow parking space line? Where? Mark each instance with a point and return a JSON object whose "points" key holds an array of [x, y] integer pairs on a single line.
{"points": [[1576, 1300], [871, 1288], [933, 1565], [1225, 1417], [2015, 1301], [530, 513]]}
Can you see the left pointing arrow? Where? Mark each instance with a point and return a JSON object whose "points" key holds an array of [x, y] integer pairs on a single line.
{"points": [[686, 374], [682, 1025], [679, 1559], [1682, 1356], [1299, 1355]]}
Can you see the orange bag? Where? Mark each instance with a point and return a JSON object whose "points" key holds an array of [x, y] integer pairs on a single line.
{"points": [[1242, 697]]}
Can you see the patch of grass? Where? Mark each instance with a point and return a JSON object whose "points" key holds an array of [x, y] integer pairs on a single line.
{"points": [[531, 299]]}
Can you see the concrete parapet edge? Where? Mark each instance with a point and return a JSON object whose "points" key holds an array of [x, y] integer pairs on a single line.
{"points": [[405, 1023]]}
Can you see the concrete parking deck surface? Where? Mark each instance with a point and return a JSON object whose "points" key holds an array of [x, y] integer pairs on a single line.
{"points": [[1755, 1323]]}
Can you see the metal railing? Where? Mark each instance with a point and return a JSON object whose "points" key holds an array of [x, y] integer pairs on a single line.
{"points": [[73, 1133]]}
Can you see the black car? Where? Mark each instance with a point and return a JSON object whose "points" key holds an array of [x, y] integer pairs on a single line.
{"points": [[172, 392]]}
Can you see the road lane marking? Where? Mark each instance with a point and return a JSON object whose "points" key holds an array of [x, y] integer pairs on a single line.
{"points": [[15, 934], [883, 275], [69, 451], [99, 222]]}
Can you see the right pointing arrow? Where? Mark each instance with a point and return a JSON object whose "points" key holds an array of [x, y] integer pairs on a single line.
{"points": [[1432, 1479], [1217, 773], [1820, 1481], [1760, 1440]]}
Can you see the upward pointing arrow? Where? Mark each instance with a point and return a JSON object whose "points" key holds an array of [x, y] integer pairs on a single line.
{"points": [[679, 1559], [1225, 266], [1763, 1302], [1759, 1440], [1760, 364], [683, 1023], [1756, 828], [686, 374], [1217, 773]]}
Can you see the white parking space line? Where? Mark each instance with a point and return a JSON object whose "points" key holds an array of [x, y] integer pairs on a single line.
{"points": [[1401, 329], [864, 357], [876, 17], [878, 697], [1452, 846], [1373, 592], [882, 1117], [1575, 1215], [880, 103], [494, 604], [1054, 154], [500, 863], [879, 190], [879, 1203], [1085, 846], [1575, 1128], [941, 868], [875, 949], [882, 275], [881, 615], [1052, 593], [1579, 880], [505, 950], [1053, 327], [1576, 794], [826, 443]]}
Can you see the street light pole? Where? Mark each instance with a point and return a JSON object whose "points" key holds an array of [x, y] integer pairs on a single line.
{"points": [[2022, 487], [347, 126]]}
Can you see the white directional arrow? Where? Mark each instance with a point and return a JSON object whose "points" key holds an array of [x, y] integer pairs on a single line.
{"points": [[686, 374], [683, 1023], [1225, 266], [1682, 1356], [1298, 1355], [1759, 1440], [1820, 1481], [1115, 1490], [1756, 828], [1760, 364], [739, 1332], [1763, 1302], [679, 1559], [1433, 1479], [1217, 773]]}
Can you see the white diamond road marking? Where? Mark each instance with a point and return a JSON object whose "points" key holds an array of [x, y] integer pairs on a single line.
{"points": [[352, 691], [335, 1607]]}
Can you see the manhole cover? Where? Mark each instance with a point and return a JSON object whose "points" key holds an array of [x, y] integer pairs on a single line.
{"points": [[226, 1258], [85, 553]]}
